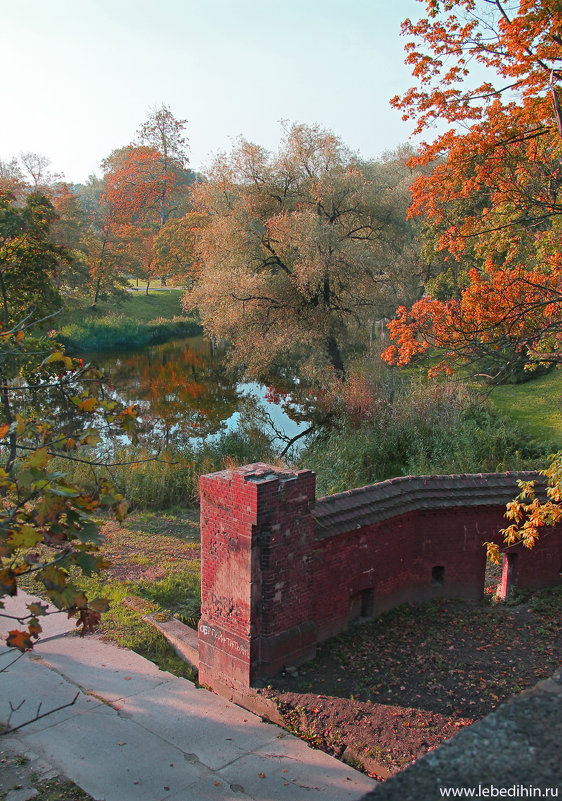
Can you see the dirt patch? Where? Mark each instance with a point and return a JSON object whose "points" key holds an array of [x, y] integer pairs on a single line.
{"points": [[395, 687], [24, 775], [142, 548], [377, 738]]}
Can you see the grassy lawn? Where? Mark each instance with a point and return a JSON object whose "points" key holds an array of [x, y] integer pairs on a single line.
{"points": [[140, 320], [155, 560], [535, 405]]}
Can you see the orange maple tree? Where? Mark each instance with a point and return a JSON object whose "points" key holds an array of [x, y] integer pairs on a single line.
{"points": [[492, 202], [142, 191]]}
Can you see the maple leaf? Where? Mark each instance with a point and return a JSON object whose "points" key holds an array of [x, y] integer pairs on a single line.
{"points": [[19, 639]]}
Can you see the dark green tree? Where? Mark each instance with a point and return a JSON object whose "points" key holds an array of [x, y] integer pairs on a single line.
{"points": [[29, 261]]}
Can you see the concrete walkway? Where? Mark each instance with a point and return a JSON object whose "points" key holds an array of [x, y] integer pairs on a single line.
{"points": [[136, 733]]}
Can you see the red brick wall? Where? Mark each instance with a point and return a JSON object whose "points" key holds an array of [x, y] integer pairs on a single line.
{"points": [[256, 592], [281, 572]]}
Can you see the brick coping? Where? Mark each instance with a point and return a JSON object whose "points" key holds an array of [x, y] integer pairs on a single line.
{"points": [[353, 509]]}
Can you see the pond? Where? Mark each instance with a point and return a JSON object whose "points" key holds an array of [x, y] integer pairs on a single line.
{"points": [[186, 394]]}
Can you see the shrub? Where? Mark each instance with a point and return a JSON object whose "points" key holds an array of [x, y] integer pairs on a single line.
{"points": [[172, 478], [436, 427]]}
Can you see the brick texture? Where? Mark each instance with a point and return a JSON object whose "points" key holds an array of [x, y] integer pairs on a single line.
{"points": [[281, 571]]}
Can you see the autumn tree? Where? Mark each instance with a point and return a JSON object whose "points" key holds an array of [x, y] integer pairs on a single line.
{"points": [[493, 201], [29, 261], [11, 177], [46, 525], [163, 133], [35, 167], [106, 258], [147, 186], [175, 246], [300, 249]]}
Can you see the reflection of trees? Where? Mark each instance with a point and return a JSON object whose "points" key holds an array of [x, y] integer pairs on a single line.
{"points": [[182, 389]]}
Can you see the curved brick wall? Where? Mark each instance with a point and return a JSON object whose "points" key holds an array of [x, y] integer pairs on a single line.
{"points": [[282, 571]]}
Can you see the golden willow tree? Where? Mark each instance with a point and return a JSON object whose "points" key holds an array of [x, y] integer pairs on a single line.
{"points": [[493, 202], [300, 249]]}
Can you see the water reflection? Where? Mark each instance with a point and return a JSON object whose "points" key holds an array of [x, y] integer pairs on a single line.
{"points": [[185, 392]]}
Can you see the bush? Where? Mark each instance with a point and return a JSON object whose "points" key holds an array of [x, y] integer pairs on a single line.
{"points": [[429, 428], [172, 479], [115, 331]]}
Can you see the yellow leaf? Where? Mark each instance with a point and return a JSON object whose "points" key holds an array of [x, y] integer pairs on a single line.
{"points": [[25, 537], [56, 356], [38, 458], [88, 405]]}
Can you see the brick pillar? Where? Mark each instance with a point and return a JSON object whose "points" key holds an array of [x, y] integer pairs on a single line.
{"points": [[256, 584]]}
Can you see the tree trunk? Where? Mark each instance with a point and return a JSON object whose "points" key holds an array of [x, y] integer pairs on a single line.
{"points": [[4, 302], [335, 356], [147, 285], [12, 438], [97, 292]]}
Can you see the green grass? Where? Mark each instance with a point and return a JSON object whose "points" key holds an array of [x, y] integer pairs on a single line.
{"points": [[139, 321], [126, 627], [173, 479], [429, 428], [153, 558], [536, 406]]}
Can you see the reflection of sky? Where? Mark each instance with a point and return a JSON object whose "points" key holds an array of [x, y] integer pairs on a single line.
{"points": [[280, 420], [139, 377]]}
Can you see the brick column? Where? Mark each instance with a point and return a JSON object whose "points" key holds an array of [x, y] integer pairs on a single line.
{"points": [[256, 584]]}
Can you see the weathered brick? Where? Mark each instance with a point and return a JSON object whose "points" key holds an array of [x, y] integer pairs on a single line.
{"points": [[281, 572]]}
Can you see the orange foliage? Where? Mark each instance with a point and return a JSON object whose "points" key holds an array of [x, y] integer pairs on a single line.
{"points": [[493, 200], [137, 188]]}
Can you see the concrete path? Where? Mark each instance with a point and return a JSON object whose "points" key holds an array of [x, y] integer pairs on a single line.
{"points": [[136, 733]]}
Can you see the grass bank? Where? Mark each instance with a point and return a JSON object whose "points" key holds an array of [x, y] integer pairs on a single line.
{"points": [[172, 479], [536, 406], [139, 321], [156, 560], [435, 427]]}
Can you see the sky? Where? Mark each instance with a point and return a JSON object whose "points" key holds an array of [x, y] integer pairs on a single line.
{"points": [[80, 76]]}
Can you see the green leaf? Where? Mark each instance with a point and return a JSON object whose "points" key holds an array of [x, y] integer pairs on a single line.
{"points": [[64, 491], [88, 563], [89, 532], [53, 578], [38, 459], [37, 610], [99, 604], [25, 537]]}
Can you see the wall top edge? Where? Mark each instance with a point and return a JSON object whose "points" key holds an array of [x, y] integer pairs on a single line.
{"points": [[352, 509]]}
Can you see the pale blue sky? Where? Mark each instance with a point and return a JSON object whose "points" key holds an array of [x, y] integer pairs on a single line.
{"points": [[81, 75]]}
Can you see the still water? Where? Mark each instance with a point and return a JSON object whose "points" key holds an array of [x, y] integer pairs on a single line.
{"points": [[185, 392]]}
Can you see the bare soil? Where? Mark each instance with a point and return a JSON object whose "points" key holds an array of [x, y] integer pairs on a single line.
{"points": [[34, 778], [393, 688]]}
